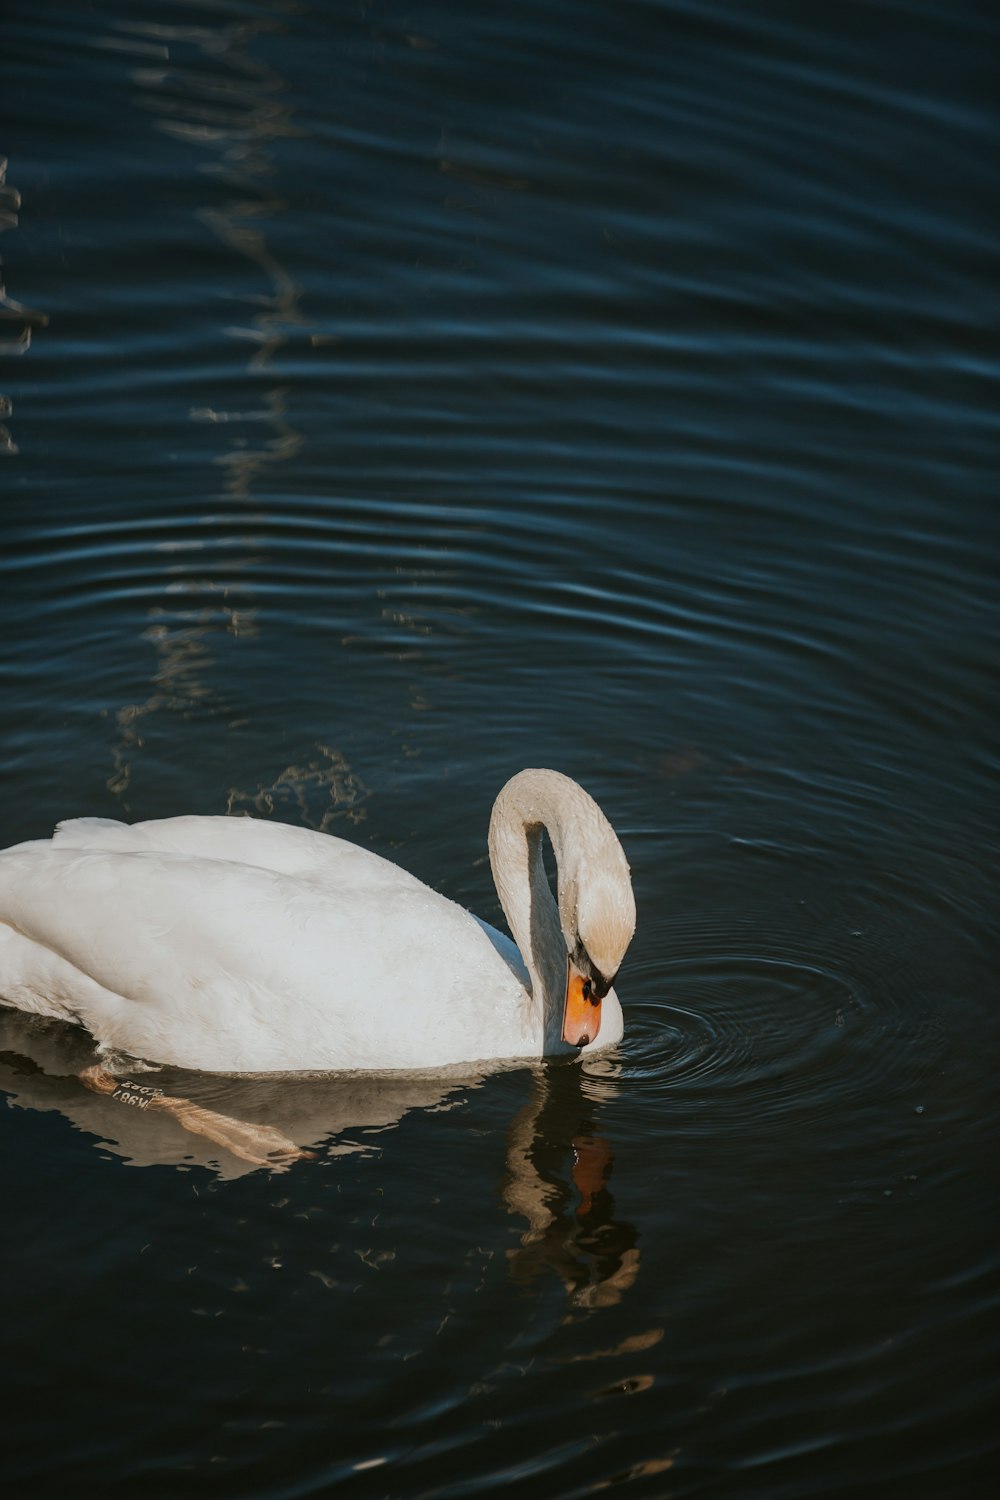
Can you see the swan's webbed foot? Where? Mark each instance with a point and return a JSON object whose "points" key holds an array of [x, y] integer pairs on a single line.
{"points": [[262, 1145], [98, 1080]]}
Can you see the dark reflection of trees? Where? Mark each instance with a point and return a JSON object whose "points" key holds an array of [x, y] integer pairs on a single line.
{"points": [[559, 1165]]}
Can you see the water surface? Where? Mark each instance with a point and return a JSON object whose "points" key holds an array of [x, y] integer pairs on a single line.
{"points": [[401, 397]]}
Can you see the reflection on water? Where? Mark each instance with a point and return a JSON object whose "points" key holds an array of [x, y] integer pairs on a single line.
{"points": [[559, 1166], [319, 793], [210, 92], [559, 1160], [16, 320], [215, 93], [41, 1063]]}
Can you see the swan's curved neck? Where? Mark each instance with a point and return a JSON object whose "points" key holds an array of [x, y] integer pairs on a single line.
{"points": [[533, 802]]}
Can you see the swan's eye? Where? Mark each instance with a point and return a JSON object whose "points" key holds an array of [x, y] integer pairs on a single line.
{"points": [[588, 991]]}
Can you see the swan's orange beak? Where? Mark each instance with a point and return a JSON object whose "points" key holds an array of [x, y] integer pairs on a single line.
{"points": [[582, 1013]]}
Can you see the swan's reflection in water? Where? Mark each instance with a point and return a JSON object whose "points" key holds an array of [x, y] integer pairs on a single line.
{"points": [[557, 1168], [230, 1125]]}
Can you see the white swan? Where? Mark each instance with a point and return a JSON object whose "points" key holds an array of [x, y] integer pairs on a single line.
{"points": [[238, 946]]}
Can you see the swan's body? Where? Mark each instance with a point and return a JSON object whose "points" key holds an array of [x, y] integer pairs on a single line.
{"points": [[234, 945]]}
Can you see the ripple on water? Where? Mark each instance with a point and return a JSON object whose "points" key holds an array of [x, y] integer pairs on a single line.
{"points": [[758, 1037]]}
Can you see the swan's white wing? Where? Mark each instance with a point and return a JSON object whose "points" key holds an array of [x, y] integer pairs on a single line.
{"points": [[232, 967]]}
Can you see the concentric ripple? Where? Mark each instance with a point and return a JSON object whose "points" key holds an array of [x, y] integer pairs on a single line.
{"points": [[758, 1036]]}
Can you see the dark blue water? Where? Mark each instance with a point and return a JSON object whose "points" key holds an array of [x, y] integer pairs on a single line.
{"points": [[403, 395]]}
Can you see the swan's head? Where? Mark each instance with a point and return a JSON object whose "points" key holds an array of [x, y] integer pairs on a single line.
{"points": [[606, 921], [596, 913]]}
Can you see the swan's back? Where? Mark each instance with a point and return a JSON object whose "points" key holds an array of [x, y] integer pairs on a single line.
{"points": [[279, 847]]}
